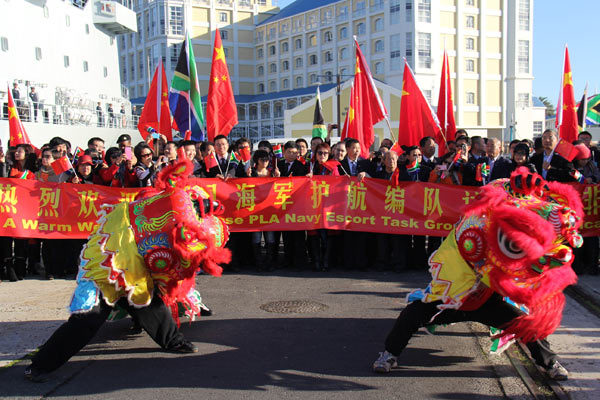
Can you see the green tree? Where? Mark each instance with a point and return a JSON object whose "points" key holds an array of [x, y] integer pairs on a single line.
{"points": [[550, 109]]}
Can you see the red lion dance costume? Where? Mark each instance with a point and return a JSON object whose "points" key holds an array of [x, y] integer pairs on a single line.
{"points": [[512, 245], [142, 257]]}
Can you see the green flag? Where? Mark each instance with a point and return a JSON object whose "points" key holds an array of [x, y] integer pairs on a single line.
{"points": [[185, 99], [593, 111], [319, 128]]}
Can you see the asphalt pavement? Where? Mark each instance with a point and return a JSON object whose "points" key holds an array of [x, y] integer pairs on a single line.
{"points": [[282, 335]]}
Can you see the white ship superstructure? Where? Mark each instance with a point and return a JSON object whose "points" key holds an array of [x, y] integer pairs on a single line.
{"points": [[67, 51]]}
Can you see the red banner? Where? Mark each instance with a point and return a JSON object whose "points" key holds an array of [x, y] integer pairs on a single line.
{"points": [[32, 209]]}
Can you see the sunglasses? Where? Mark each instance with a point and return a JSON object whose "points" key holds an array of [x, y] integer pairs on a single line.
{"points": [[322, 153], [146, 154]]}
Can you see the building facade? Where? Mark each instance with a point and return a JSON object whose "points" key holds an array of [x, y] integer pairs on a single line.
{"points": [[276, 57]]}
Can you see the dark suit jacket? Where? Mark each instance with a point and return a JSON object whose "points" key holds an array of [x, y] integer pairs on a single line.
{"points": [[362, 165], [214, 171], [297, 168], [16, 94], [502, 169], [559, 170]]}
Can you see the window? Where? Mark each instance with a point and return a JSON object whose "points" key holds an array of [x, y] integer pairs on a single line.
{"points": [[524, 56], [328, 56], [224, 35], [285, 65], [395, 56], [470, 43], [260, 71], [343, 33], [343, 72], [4, 43], [409, 11], [272, 86], [38, 53], [298, 62], [537, 127], [285, 47], [85, 66], [174, 55], [176, 19], [524, 15], [470, 21], [67, 20], [379, 68], [312, 59], [328, 76], [378, 25], [470, 3], [379, 47], [424, 49], [259, 53], [427, 95], [394, 12], [328, 37], [360, 28], [408, 53], [312, 40], [470, 98], [261, 88], [161, 17], [285, 83], [223, 17], [523, 100], [298, 81], [273, 67], [470, 65], [313, 78], [343, 53], [298, 44], [272, 50], [66, 61], [87, 29], [424, 10]]}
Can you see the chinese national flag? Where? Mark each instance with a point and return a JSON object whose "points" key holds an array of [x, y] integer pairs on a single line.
{"points": [[445, 109], [221, 111], [245, 154], [61, 165], [210, 161], [566, 149], [366, 108], [567, 109], [156, 116], [417, 119], [15, 126]]}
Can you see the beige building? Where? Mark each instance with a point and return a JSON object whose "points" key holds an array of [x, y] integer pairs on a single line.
{"points": [[277, 57]]}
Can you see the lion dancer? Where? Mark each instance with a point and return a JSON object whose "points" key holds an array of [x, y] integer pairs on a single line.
{"points": [[505, 265], [143, 257]]}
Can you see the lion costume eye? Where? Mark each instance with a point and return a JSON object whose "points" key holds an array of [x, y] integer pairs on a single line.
{"points": [[509, 248]]}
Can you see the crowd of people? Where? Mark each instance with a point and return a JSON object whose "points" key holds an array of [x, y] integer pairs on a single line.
{"points": [[470, 161]]}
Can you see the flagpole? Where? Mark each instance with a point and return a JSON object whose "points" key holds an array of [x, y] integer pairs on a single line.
{"points": [[585, 105], [559, 108], [187, 54]]}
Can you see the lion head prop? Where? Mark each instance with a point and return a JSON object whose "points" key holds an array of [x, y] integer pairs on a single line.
{"points": [[161, 239], [516, 239]]}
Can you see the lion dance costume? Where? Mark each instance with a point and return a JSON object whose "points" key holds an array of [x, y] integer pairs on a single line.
{"points": [[505, 264], [143, 256]]}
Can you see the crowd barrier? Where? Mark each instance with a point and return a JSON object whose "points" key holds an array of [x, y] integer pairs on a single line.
{"points": [[33, 209]]}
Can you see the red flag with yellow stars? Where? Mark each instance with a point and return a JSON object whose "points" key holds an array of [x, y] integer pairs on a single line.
{"points": [[221, 111], [156, 115], [15, 126], [366, 108], [417, 119], [445, 109], [566, 118]]}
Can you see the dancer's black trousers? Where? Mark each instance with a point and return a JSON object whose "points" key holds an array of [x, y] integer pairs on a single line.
{"points": [[494, 312], [74, 334]]}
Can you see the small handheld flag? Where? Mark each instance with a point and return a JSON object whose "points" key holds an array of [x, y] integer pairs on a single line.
{"points": [[277, 151], [210, 161], [245, 154], [61, 165]]}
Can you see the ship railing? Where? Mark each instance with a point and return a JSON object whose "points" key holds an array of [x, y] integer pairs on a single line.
{"points": [[71, 114]]}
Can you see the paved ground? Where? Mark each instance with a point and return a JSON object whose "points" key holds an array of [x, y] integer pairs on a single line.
{"points": [[246, 352]]}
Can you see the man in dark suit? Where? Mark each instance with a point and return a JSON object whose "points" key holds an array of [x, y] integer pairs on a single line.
{"points": [[549, 164], [294, 242], [428, 146], [499, 166], [222, 154], [353, 164], [476, 160], [33, 96]]}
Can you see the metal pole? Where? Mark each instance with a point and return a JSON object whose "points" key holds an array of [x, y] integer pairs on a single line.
{"points": [[338, 92]]}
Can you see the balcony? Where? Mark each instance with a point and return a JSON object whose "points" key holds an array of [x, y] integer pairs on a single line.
{"points": [[377, 7], [224, 3], [358, 13], [342, 17], [247, 4], [114, 17]]}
